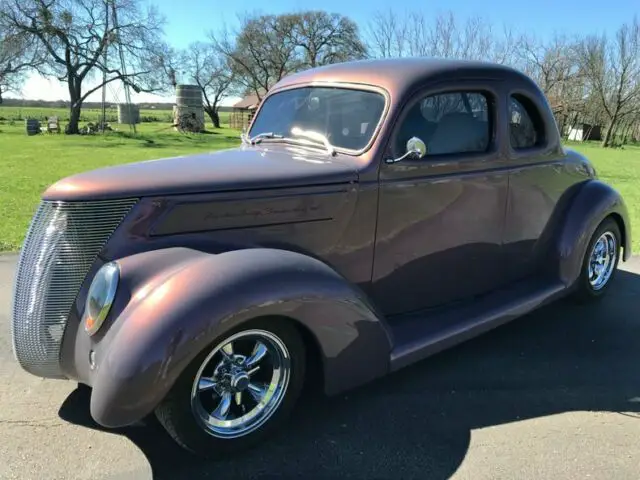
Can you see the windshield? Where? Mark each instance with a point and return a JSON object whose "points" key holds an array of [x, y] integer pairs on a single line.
{"points": [[346, 117]]}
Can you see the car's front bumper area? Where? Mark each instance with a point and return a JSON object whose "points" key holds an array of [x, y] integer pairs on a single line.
{"points": [[130, 362]]}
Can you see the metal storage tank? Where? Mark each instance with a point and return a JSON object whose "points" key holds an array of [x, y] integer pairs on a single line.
{"points": [[32, 125], [128, 114], [189, 111]]}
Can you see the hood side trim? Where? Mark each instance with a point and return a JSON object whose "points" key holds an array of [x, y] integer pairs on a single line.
{"points": [[226, 214]]}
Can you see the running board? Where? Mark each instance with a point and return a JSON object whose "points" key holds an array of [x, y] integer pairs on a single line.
{"points": [[420, 335]]}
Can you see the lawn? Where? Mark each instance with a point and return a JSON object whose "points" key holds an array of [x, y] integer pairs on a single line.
{"points": [[28, 165], [619, 168], [18, 114]]}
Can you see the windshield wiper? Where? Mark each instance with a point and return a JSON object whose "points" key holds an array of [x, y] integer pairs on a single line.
{"points": [[315, 136], [258, 138]]}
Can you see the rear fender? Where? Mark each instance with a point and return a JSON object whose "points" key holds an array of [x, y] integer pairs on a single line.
{"points": [[592, 204], [175, 302]]}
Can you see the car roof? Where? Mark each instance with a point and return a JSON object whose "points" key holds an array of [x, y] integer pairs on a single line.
{"points": [[396, 75]]}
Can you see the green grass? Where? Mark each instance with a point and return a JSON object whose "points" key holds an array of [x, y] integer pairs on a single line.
{"points": [[19, 114], [28, 165], [620, 168]]}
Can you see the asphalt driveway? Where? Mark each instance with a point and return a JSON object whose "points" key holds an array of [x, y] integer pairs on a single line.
{"points": [[553, 395]]}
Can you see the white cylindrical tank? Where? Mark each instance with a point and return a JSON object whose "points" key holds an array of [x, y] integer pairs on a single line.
{"points": [[128, 114]]}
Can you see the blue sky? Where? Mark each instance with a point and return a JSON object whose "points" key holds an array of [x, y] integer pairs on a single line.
{"points": [[188, 21]]}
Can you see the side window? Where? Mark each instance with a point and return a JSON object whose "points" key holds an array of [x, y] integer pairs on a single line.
{"points": [[448, 123], [525, 124]]}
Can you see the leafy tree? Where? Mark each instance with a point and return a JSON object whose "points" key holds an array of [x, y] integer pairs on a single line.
{"points": [[267, 48], [18, 55], [77, 36]]}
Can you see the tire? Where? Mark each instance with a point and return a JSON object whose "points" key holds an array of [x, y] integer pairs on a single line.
{"points": [[182, 416], [585, 290]]}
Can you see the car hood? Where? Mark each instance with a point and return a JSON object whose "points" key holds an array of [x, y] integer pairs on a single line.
{"points": [[245, 167]]}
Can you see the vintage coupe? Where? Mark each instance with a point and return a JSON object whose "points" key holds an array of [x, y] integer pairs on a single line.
{"points": [[376, 212]]}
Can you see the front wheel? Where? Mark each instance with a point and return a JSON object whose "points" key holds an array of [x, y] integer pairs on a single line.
{"points": [[600, 262], [235, 394]]}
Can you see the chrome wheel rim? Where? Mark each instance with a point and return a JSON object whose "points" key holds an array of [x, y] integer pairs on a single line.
{"points": [[241, 384], [602, 260]]}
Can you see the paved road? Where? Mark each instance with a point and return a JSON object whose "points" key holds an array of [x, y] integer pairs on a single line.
{"points": [[554, 395]]}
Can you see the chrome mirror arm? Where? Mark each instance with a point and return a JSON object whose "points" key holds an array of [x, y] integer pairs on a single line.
{"points": [[415, 148], [410, 153]]}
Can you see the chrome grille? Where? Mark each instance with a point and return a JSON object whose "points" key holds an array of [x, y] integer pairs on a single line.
{"points": [[61, 244]]}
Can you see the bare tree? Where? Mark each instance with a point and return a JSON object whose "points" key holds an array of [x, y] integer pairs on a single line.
{"points": [[390, 34], [613, 70], [18, 56], [169, 66], [212, 73], [387, 35], [555, 66], [77, 33], [592, 80]]}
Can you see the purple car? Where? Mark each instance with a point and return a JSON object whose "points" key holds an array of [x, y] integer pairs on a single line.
{"points": [[376, 213]]}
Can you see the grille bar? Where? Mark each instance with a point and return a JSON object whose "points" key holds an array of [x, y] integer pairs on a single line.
{"points": [[62, 242]]}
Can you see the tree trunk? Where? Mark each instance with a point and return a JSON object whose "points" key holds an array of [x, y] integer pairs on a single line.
{"points": [[75, 108], [74, 119], [563, 123], [213, 115], [624, 130], [606, 141]]}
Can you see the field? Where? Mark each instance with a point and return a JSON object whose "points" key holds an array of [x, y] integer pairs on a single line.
{"points": [[19, 114], [620, 168], [28, 165]]}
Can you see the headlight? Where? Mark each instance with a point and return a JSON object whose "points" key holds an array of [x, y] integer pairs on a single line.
{"points": [[100, 297]]}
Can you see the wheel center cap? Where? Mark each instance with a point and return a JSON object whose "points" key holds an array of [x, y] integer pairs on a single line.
{"points": [[240, 381]]}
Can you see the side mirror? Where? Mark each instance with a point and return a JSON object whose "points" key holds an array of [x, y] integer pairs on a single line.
{"points": [[416, 149]]}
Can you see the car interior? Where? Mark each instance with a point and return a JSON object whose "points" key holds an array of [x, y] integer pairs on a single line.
{"points": [[447, 124]]}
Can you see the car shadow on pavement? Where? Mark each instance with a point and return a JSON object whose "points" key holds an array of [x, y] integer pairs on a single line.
{"points": [[417, 423]]}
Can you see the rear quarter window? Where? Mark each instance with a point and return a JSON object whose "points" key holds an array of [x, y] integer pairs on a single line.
{"points": [[526, 127]]}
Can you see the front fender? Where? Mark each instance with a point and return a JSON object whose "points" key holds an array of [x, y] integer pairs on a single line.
{"points": [[592, 204], [175, 310]]}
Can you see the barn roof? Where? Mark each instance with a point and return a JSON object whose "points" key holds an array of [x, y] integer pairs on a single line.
{"points": [[248, 102]]}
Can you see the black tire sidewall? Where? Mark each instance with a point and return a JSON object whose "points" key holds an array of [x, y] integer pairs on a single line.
{"points": [[585, 290], [175, 413]]}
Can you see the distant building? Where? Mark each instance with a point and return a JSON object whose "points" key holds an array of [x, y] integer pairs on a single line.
{"points": [[250, 102], [243, 111], [583, 131]]}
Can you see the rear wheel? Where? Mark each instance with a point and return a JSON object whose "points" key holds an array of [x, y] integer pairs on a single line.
{"points": [[238, 392], [600, 262]]}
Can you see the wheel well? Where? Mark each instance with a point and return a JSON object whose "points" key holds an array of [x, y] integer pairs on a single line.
{"points": [[314, 377], [621, 226]]}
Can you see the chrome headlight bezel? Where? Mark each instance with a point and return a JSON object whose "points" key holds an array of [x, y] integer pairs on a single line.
{"points": [[100, 297]]}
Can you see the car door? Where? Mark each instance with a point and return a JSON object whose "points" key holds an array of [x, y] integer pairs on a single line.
{"points": [[441, 217]]}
